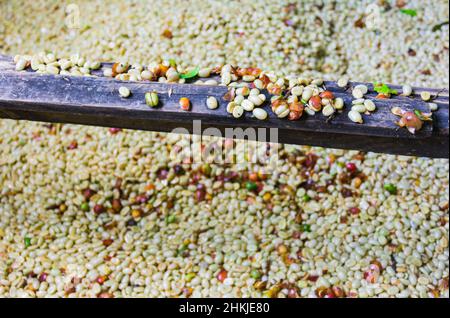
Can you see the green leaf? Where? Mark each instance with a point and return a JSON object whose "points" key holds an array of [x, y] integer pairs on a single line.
{"points": [[190, 74], [255, 274], [421, 116], [383, 89], [181, 251], [27, 241], [305, 228], [409, 12], [86, 28]]}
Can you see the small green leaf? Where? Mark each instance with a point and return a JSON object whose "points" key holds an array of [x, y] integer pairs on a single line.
{"points": [[305, 228], [85, 206], [409, 12], [190, 74], [27, 241], [182, 250], [392, 189], [172, 63], [251, 186]]}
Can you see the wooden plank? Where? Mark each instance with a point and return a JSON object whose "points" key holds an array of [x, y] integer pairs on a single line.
{"points": [[95, 101]]}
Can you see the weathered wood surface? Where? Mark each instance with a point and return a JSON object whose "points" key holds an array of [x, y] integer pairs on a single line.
{"points": [[95, 101]]}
